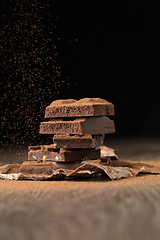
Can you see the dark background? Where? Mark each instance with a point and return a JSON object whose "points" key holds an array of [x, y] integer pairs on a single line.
{"points": [[117, 58], [109, 50]]}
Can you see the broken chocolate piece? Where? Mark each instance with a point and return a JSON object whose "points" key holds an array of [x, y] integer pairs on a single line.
{"points": [[77, 141], [108, 152], [125, 169], [79, 108], [64, 155], [92, 125], [33, 167]]}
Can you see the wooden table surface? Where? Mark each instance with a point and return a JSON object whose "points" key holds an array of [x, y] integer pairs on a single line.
{"points": [[120, 209]]}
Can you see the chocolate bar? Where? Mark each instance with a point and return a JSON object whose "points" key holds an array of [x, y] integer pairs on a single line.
{"points": [[92, 125], [77, 141], [72, 142], [79, 108], [78, 127], [63, 155], [34, 167]]}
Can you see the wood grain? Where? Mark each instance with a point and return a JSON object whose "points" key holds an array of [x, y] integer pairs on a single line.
{"points": [[123, 209]]}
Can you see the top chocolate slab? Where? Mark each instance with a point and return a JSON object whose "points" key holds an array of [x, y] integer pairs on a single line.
{"points": [[79, 108]]}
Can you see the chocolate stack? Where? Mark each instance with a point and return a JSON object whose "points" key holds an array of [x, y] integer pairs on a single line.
{"points": [[78, 128]]}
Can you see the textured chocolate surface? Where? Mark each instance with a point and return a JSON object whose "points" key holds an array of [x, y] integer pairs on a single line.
{"points": [[77, 141], [34, 167], [79, 108], [64, 155], [92, 125], [72, 142], [49, 147]]}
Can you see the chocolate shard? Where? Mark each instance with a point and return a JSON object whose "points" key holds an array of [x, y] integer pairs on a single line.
{"points": [[110, 161], [64, 155], [93, 125], [77, 141], [108, 152], [79, 108]]}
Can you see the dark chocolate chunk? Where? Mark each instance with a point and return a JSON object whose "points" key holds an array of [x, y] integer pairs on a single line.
{"points": [[77, 141], [64, 155], [92, 125], [79, 108]]}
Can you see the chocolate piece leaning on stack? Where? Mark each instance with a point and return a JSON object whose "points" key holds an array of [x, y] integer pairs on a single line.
{"points": [[78, 128]]}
